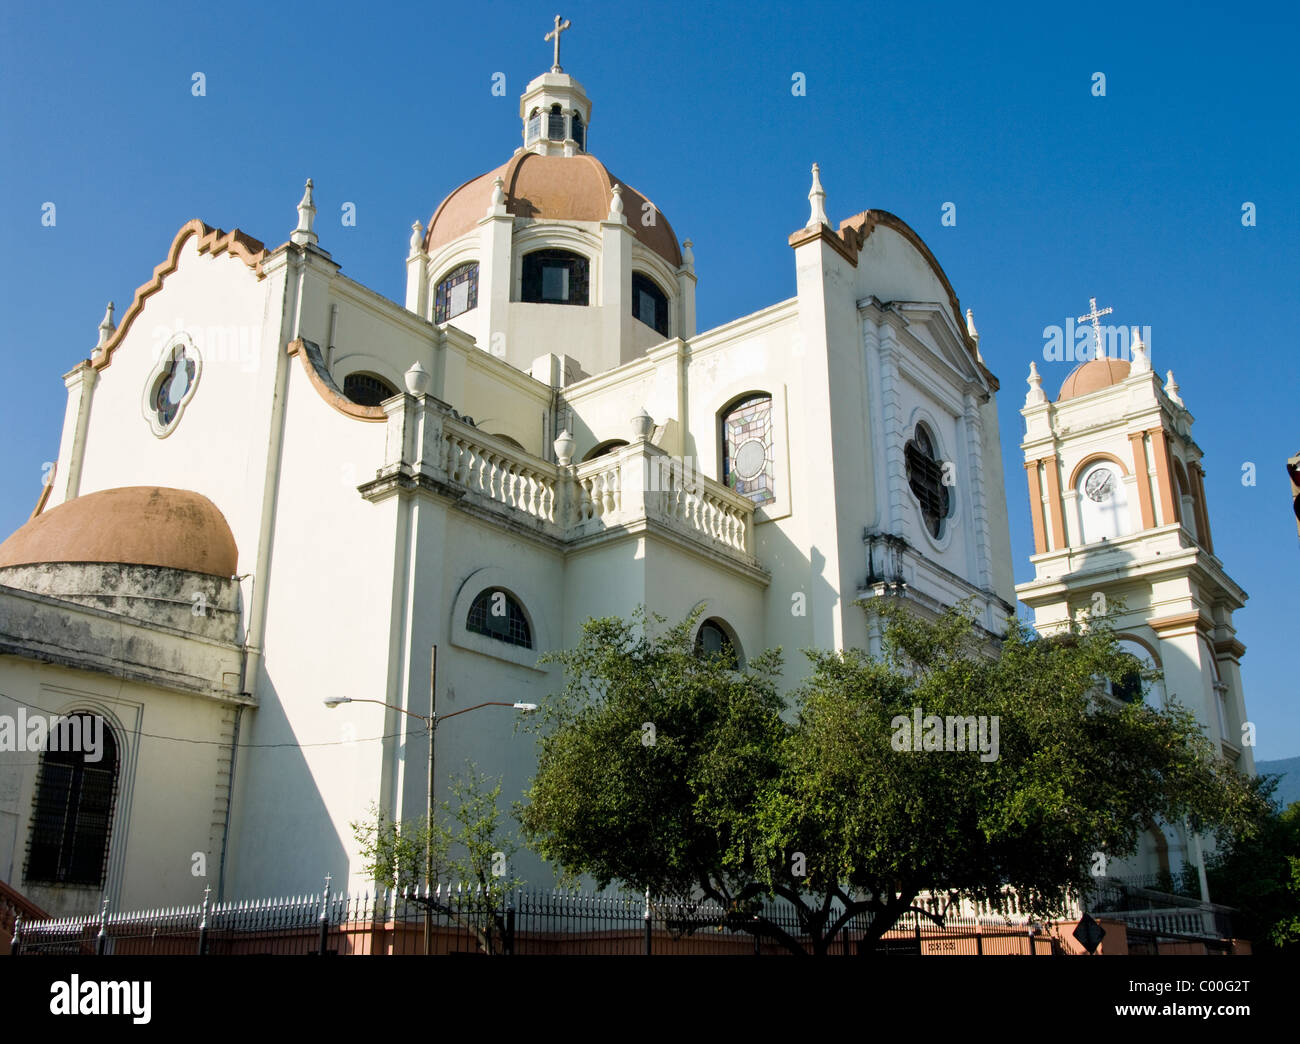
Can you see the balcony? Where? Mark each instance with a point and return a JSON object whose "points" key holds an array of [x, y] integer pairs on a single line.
{"points": [[636, 489]]}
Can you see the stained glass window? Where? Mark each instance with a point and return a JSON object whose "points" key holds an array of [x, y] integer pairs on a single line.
{"points": [[555, 277], [555, 124], [73, 814], [174, 385], [496, 614], [649, 303], [365, 389], [748, 449], [457, 293], [925, 477]]}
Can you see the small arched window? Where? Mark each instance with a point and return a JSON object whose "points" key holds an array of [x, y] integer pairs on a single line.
{"points": [[457, 292], [366, 389], [608, 446], [495, 613], [534, 125], [579, 131], [649, 303], [749, 449], [714, 639], [555, 277], [1186, 501], [555, 123], [75, 795], [925, 475]]}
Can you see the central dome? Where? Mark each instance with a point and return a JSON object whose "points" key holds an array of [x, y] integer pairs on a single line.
{"points": [[550, 188]]}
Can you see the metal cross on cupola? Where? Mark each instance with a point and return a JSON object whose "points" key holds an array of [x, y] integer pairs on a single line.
{"points": [[554, 34], [1092, 317]]}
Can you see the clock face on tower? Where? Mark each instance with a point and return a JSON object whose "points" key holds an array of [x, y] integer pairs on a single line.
{"points": [[1100, 485]]}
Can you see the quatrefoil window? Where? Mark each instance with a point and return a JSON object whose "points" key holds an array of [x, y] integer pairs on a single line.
{"points": [[171, 385]]}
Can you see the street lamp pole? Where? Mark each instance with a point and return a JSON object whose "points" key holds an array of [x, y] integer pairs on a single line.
{"points": [[431, 724]]}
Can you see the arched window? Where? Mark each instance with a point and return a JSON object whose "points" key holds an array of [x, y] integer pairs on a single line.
{"points": [[748, 449], [1186, 501], [555, 123], [366, 389], [555, 277], [1103, 503], [534, 125], [75, 795], [714, 639], [608, 446], [458, 292], [925, 475], [495, 613], [649, 303], [579, 131]]}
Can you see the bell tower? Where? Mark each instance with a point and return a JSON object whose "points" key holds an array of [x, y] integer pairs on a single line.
{"points": [[1121, 524]]}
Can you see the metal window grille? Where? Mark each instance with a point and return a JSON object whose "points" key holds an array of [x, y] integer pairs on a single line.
{"points": [[365, 389], [510, 626], [72, 816], [925, 478]]}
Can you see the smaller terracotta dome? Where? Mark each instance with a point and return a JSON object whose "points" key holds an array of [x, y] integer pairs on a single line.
{"points": [[1092, 376], [135, 525]]}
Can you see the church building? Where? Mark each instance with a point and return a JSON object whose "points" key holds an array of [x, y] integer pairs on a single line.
{"points": [[276, 487]]}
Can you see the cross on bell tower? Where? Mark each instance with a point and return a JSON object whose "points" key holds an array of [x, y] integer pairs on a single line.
{"points": [[560, 26], [1092, 317]]}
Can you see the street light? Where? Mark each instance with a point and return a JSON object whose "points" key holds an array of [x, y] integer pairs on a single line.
{"points": [[431, 721]]}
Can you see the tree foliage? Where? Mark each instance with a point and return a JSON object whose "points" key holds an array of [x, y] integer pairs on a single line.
{"points": [[1259, 875], [466, 848], [664, 770]]}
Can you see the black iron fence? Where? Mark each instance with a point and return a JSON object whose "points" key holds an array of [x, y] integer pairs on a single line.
{"points": [[459, 921]]}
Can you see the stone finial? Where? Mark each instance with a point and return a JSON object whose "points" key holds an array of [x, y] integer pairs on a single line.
{"points": [[417, 378], [817, 200], [497, 206], [1141, 360], [106, 326], [688, 255], [616, 206], [974, 334], [642, 425], [1036, 395], [303, 234], [564, 443], [1171, 387], [417, 238]]}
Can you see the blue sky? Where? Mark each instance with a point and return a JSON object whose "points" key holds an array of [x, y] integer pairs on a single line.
{"points": [[1134, 198]]}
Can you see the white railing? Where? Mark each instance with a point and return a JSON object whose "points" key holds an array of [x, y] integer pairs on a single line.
{"points": [[494, 471], [633, 485]]}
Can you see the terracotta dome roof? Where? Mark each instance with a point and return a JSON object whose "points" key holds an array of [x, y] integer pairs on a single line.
{"points": [[560, 188], [137, 525], [1092, 376]]}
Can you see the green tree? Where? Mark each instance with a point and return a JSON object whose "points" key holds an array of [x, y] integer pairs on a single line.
{"points": [[1260, 877], [664, 770], [467, 849]]}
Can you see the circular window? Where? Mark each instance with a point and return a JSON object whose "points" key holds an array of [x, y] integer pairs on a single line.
{"points": [[750, 458]]}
